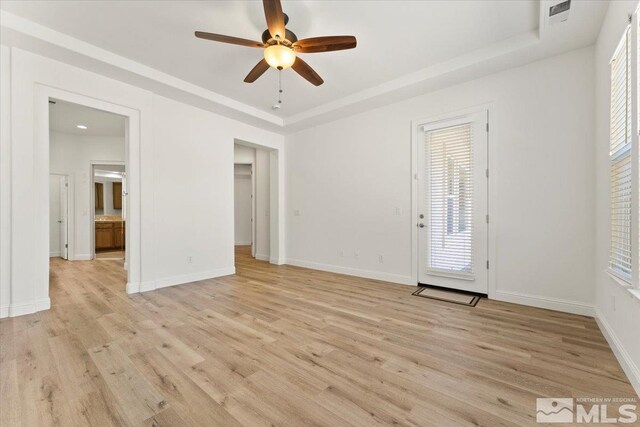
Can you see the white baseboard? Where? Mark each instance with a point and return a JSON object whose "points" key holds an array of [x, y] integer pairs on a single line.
{"points": [[82, 257], [14, 310], [628, 365], [367, 274], [277, 261], [557, 304], [262, 257], [243, 243], [54, 254], [132, 288], [178, 280]]}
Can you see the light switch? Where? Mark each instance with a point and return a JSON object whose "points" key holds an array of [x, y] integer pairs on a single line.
{"points": [[296, 212]]}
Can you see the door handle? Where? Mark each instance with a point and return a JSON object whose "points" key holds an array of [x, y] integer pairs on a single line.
{"points": [[59, 221], [421, 225]]}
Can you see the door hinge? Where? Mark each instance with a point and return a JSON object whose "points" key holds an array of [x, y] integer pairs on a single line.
{"points": [[487, 173], [487, 218], [487, 264], [487, 126], [66, 245]]}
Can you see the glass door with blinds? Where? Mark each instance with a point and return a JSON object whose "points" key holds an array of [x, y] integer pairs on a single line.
{"points": [[452, 203]]}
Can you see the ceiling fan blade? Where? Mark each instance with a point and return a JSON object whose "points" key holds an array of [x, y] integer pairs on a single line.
{"points": [[307, 72], [275, 18], [325, 44], [257, 71], [228, 39]]}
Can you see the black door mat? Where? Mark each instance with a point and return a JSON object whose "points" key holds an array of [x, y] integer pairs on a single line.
{"points": [[446, 295]]}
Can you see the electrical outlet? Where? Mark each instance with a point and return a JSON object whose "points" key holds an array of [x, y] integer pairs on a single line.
{"points": [[381, 259], [297, 212], [356, 254], [398, 211], [189, 259]]}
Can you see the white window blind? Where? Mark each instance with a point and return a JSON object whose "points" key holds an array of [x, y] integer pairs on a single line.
{"points": [[449, 156], [620, 157]]}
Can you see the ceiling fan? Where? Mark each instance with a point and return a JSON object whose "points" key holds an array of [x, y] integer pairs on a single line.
{"points": [[281, 45]]}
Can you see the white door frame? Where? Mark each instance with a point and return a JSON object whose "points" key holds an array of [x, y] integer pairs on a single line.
{"points": [[276, 200], [41, 178], [92, 202], [491, 231]]}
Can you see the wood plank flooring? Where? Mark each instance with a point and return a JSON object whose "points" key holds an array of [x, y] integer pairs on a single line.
{"points": [[281, 345]]}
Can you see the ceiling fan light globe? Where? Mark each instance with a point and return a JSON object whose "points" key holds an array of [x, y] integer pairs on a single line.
{"points": [[279, 56]]}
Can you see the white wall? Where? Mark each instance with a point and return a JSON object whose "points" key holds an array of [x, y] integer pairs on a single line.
{"points": [[618, 311], [182, 214], [346, 178], [72, 155], [243, 205], [5, 180]]}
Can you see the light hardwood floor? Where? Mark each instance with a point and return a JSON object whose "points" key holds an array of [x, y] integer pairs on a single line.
{"points": [[288, 346]]}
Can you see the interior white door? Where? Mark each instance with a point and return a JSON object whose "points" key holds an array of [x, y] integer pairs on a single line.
{"points": [[64, 217], [58, 216], [54, 216], [452, 203]]}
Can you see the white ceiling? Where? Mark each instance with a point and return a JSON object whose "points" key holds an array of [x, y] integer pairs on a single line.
{"points": [[65, 117], [397, 40]]}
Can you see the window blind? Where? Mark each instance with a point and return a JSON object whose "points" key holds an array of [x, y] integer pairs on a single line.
{"points": [[620, 159], [450, 162]]}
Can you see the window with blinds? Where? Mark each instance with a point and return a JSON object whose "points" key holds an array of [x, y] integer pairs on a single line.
{"points": [[450, 162], [620, 158]]}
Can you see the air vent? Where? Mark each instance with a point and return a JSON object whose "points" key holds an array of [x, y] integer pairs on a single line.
{"points": [[559, 12]]}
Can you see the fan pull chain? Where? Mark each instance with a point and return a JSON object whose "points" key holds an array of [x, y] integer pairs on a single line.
{"points": [[278, 104], [280, 87]]}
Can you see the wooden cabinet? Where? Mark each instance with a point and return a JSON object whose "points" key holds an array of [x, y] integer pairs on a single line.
{"points": [[118, 235], [110, 235], [99, 196], [117, 195]]}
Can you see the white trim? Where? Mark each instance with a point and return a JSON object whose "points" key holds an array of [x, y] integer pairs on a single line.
{"points": [[15, 310], [40, 32], [152, 285], [262, 257], [82, 257], [243, 244], [54, 254], [626, 362], [4, 311], [557, 304], [366, 274]]}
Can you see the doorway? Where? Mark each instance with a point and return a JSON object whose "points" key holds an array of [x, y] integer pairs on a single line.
{"points": [[109, 211], [87, 164], [243, 198], [252, 170], [452, 174]]}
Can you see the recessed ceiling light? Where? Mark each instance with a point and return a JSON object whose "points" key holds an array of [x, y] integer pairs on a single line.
{"points": [[81, 127]]}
